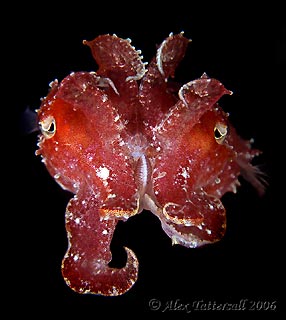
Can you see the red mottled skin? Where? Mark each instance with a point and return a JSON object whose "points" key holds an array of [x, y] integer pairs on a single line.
{"points": [[123, 140]]}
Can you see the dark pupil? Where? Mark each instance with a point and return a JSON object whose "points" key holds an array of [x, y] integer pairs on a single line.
{"points": [[51, 128], [217, 133]]}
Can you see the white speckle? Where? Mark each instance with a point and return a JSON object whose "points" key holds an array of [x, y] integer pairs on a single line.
{"points": [[104, 98], [77, 220], [114, 291], [208, 231], [103, 173], [126, 216], [76, 257], [116, 118], [211, 206], [185, 173], [76, 185], [104, 232], [111, 196], [53, 83], [57, 176], [105, 183]]}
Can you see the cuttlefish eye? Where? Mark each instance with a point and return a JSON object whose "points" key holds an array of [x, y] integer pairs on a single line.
{"points": [[220, 132], [48, 127]]}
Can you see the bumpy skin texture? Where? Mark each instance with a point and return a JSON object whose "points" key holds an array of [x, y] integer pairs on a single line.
{"points": [[122, 139]]}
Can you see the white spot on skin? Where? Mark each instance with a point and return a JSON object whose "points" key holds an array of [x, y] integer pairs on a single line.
{"points": [[104, 98], [76, 185], [111, 196], [84, 86], [53, 83], [76, 257], [114, 291], [102, 173], [185, 173]]}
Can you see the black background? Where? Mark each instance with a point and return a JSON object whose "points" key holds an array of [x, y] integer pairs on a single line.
{"points": [[242, 47]]}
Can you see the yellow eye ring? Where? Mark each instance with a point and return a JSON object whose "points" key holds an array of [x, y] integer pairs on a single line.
{"points": [[220, 132], [48, 127]]}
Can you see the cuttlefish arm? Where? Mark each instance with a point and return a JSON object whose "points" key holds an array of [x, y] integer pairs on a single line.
{"points": [[85, 266]]}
